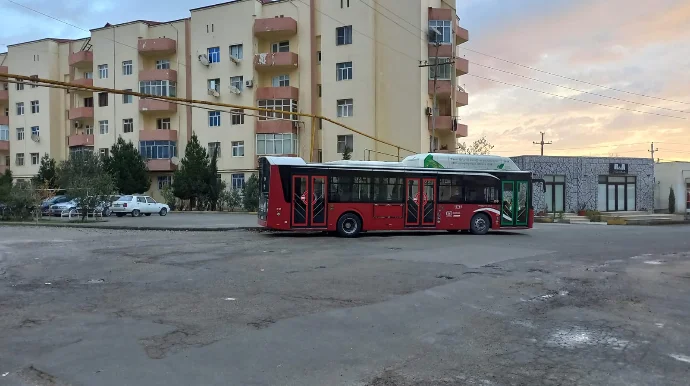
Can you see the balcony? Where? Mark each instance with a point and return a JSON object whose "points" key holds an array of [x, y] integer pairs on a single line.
{"points": [[4, 95], [161, 165], [4, 120], [158, 135], [444, 51], [5, 146], [275, 27], [462, 66], [81, 113], [443, 122], [277, 93], [170, 75], [275, 61], [461, 35], [274, 126], [158, 46], [444, 88], [461, 97], [4, 70], [80, 140], [81, 59], [154, 106], [461, 131], [83, 82]]}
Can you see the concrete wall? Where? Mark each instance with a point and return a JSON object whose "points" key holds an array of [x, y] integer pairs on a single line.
{"points": [[669, 175]]}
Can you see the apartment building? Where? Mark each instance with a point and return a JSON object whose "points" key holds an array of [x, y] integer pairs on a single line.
{"points": [[4, 119], [355, 62]]}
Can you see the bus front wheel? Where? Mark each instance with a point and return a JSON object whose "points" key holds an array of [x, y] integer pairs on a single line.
{"points": [[480, 224], [349, 225]]}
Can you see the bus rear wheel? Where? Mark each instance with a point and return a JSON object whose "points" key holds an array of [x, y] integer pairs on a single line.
{"points": [[349, 225], [480, 224]]}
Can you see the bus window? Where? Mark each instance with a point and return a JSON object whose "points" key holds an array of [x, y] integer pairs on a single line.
{"points": [[450, 190], [387, 189]]}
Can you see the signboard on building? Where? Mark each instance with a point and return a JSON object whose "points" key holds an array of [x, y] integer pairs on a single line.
{"points": [[617, 168]]}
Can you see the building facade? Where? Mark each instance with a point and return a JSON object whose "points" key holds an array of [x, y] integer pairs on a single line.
{"points": [[346, 60], [596, 183], [674, 175]]}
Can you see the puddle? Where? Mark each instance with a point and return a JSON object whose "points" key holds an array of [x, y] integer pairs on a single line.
{"points": [[579, 337]]}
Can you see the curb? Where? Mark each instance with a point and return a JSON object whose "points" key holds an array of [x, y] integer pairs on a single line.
{"points": [[256, 228]]}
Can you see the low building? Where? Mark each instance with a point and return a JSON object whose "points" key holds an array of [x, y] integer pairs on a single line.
{"points": [[674, 175], [605, 184]]}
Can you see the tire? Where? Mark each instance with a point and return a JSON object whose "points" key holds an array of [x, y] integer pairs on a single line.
{"points": [[349, 225], [163, 212], [120, 214], [136, 213], [480, 224]]}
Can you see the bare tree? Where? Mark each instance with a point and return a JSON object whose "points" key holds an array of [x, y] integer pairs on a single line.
{"points": [[478, 147]]}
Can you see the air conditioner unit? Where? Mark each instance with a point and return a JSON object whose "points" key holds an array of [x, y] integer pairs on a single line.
{"points": [[204, 60], [35, 138], [428, 111], [213, 92], [234, 89], [249, 83], [235, 60]]}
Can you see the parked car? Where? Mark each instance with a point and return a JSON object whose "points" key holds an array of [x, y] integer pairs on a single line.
{"points": [[137, 205], [45, 205], [74, 207]]}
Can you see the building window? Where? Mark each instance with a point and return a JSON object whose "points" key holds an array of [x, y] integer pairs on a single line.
{"points": [[158, 87], [4, 133], [34, 107], [163, 124], [237, 181], [20, 108], [214, 118], [162, 64], [444, 68], [343, 35], [20, 85], [343, 71], [280, 47], [320, 156], [88, 130], [128, 125], [236, 82], [34, 84], [20, 133], [268, 144], [103, 71], [126, 67], [287, 105], [104, 152], [281, 81], [345, 141], [344, 3], [7, 111], [158, 149], [555, 193], [103, 127], [214, 147], [236, 51], [102, 99], [19, 161], [214, 55], [214, 84], [127, 98], [345, 107], [35, 130], [319, 88], [616, 193], [88, 102], [34, 158], [318, 57], [88, 75], [237, 116], [164, 181], [238, 148], [444, 31]]}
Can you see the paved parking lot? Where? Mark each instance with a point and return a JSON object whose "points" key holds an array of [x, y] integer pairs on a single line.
{"points": [[176, 220], [557, 305]]}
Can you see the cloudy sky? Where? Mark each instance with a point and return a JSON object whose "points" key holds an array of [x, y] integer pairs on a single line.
{"points": [[640, 47]]}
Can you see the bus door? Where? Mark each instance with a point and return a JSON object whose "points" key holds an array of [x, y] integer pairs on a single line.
{"points": [[309, 201], [420, 202], [514, 203]]}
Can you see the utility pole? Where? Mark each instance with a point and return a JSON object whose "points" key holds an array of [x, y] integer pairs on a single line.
{"points": [[542, 143], [652, 150], [434, 110]]}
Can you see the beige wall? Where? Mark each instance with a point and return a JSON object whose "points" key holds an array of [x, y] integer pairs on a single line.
{"points": [[671, 175]]}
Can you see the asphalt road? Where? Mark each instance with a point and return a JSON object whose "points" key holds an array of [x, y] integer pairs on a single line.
{"points": [[174, 220], [556, 305]]}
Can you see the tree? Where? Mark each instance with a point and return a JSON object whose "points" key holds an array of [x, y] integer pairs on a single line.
{"points": [[128, 168], [84, 178], [347, 153], [478, 147], [190, 180], [250, 200], [215, 185], [671, 202], [234, 199], [47, 173], [5, 185]]}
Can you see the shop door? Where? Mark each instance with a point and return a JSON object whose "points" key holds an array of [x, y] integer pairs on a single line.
{"points": [[420, 202], [514, 203], [309, 201]]}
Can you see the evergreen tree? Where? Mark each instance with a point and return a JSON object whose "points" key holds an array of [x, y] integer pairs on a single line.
{"points": [[671, 201], [213, 182], [190, 179], [128, 168], [347, 153], [250, 200], [47, 173], [5, 185]]}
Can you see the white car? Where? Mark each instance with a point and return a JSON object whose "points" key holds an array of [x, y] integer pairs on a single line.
{"points": [[137, 206]]}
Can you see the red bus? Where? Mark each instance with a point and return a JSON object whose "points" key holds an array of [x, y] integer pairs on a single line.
{"points": [[349, 197]]}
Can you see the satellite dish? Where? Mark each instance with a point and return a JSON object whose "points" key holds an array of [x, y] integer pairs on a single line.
{"points": [[204, 59], [175, 160], [35, 138]]}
